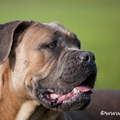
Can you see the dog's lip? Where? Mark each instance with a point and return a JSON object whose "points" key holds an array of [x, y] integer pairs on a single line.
{"points": [[54, 100]]}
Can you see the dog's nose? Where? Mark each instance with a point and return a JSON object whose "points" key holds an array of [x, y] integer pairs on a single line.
{"points": [[85, 56]]}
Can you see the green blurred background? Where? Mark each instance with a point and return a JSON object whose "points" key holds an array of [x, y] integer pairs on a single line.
{"points": [[96, 23]]}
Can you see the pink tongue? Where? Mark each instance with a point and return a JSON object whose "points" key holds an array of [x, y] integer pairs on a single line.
{"points": [[84, 88]]}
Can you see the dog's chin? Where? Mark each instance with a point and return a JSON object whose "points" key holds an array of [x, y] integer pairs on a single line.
{"points": [[77, 98]]}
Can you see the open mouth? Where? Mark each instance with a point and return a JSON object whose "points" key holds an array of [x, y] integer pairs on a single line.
{"points": [[78, 94]]}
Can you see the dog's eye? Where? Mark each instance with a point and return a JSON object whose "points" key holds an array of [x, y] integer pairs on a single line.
{"points": [[52, 45]]}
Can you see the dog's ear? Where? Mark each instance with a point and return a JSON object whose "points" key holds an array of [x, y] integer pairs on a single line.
{"points": [[7, 32]]}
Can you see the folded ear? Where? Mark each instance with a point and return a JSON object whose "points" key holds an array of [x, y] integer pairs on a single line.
{"points": [[7, 32]]}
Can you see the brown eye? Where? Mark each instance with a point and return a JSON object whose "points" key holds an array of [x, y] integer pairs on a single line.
{"points": [[52, 45]]}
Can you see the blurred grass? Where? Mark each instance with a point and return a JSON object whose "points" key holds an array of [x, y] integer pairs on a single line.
{"points": [[96, 23]]}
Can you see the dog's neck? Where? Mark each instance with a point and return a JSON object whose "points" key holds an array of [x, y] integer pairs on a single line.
{"points": [[14, 108], [29, 111], [10, 104], [41, 113]]}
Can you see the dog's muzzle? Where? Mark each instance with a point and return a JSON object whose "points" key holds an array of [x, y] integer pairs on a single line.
{"points": [[78, 64], [76, 76]]}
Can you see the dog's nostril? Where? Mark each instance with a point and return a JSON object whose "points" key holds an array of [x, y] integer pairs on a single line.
{"points": [[86, 57]]}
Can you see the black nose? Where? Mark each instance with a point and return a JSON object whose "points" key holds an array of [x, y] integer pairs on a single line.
{"points": [[85, 56]]}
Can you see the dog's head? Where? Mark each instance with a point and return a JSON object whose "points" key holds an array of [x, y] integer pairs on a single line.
{"points": [[47, 64]]}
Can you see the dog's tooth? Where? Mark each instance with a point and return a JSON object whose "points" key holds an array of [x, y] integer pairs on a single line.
{"points": [[75, 90], [78, 91]]}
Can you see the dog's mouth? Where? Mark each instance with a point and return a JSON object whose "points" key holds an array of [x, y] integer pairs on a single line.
{"points": [[77, 98]]}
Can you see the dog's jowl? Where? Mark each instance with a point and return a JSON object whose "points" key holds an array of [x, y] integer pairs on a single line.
{"points": [[43, 71]]}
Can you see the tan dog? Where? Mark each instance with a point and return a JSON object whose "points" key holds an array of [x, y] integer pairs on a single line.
{"points": [[42, 65]]}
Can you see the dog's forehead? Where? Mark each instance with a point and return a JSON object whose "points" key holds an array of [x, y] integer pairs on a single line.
{"points": [[46, 32], [39, 32], [44, 29], [54, 28]]}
